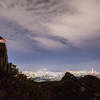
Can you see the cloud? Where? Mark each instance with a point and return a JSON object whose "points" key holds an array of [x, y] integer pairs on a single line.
{"points": [[76, 21], [48, 43], [81, 27]]}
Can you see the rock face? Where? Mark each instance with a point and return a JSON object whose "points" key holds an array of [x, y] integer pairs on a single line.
{"points": [[68, 76], [3, 55]]}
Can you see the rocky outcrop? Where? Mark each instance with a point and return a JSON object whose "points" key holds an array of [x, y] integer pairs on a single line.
{"points": [[3, 56], [68, 76]]}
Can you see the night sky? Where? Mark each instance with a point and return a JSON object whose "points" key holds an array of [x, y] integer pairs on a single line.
{"points": [[57, 35]]}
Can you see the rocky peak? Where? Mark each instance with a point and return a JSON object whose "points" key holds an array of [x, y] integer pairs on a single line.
{"points": [[68, 76], [3, 55]]}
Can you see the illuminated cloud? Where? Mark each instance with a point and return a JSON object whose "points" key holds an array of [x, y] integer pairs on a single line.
{"points": [[72, 20], [81, 27], [37, 29]]}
